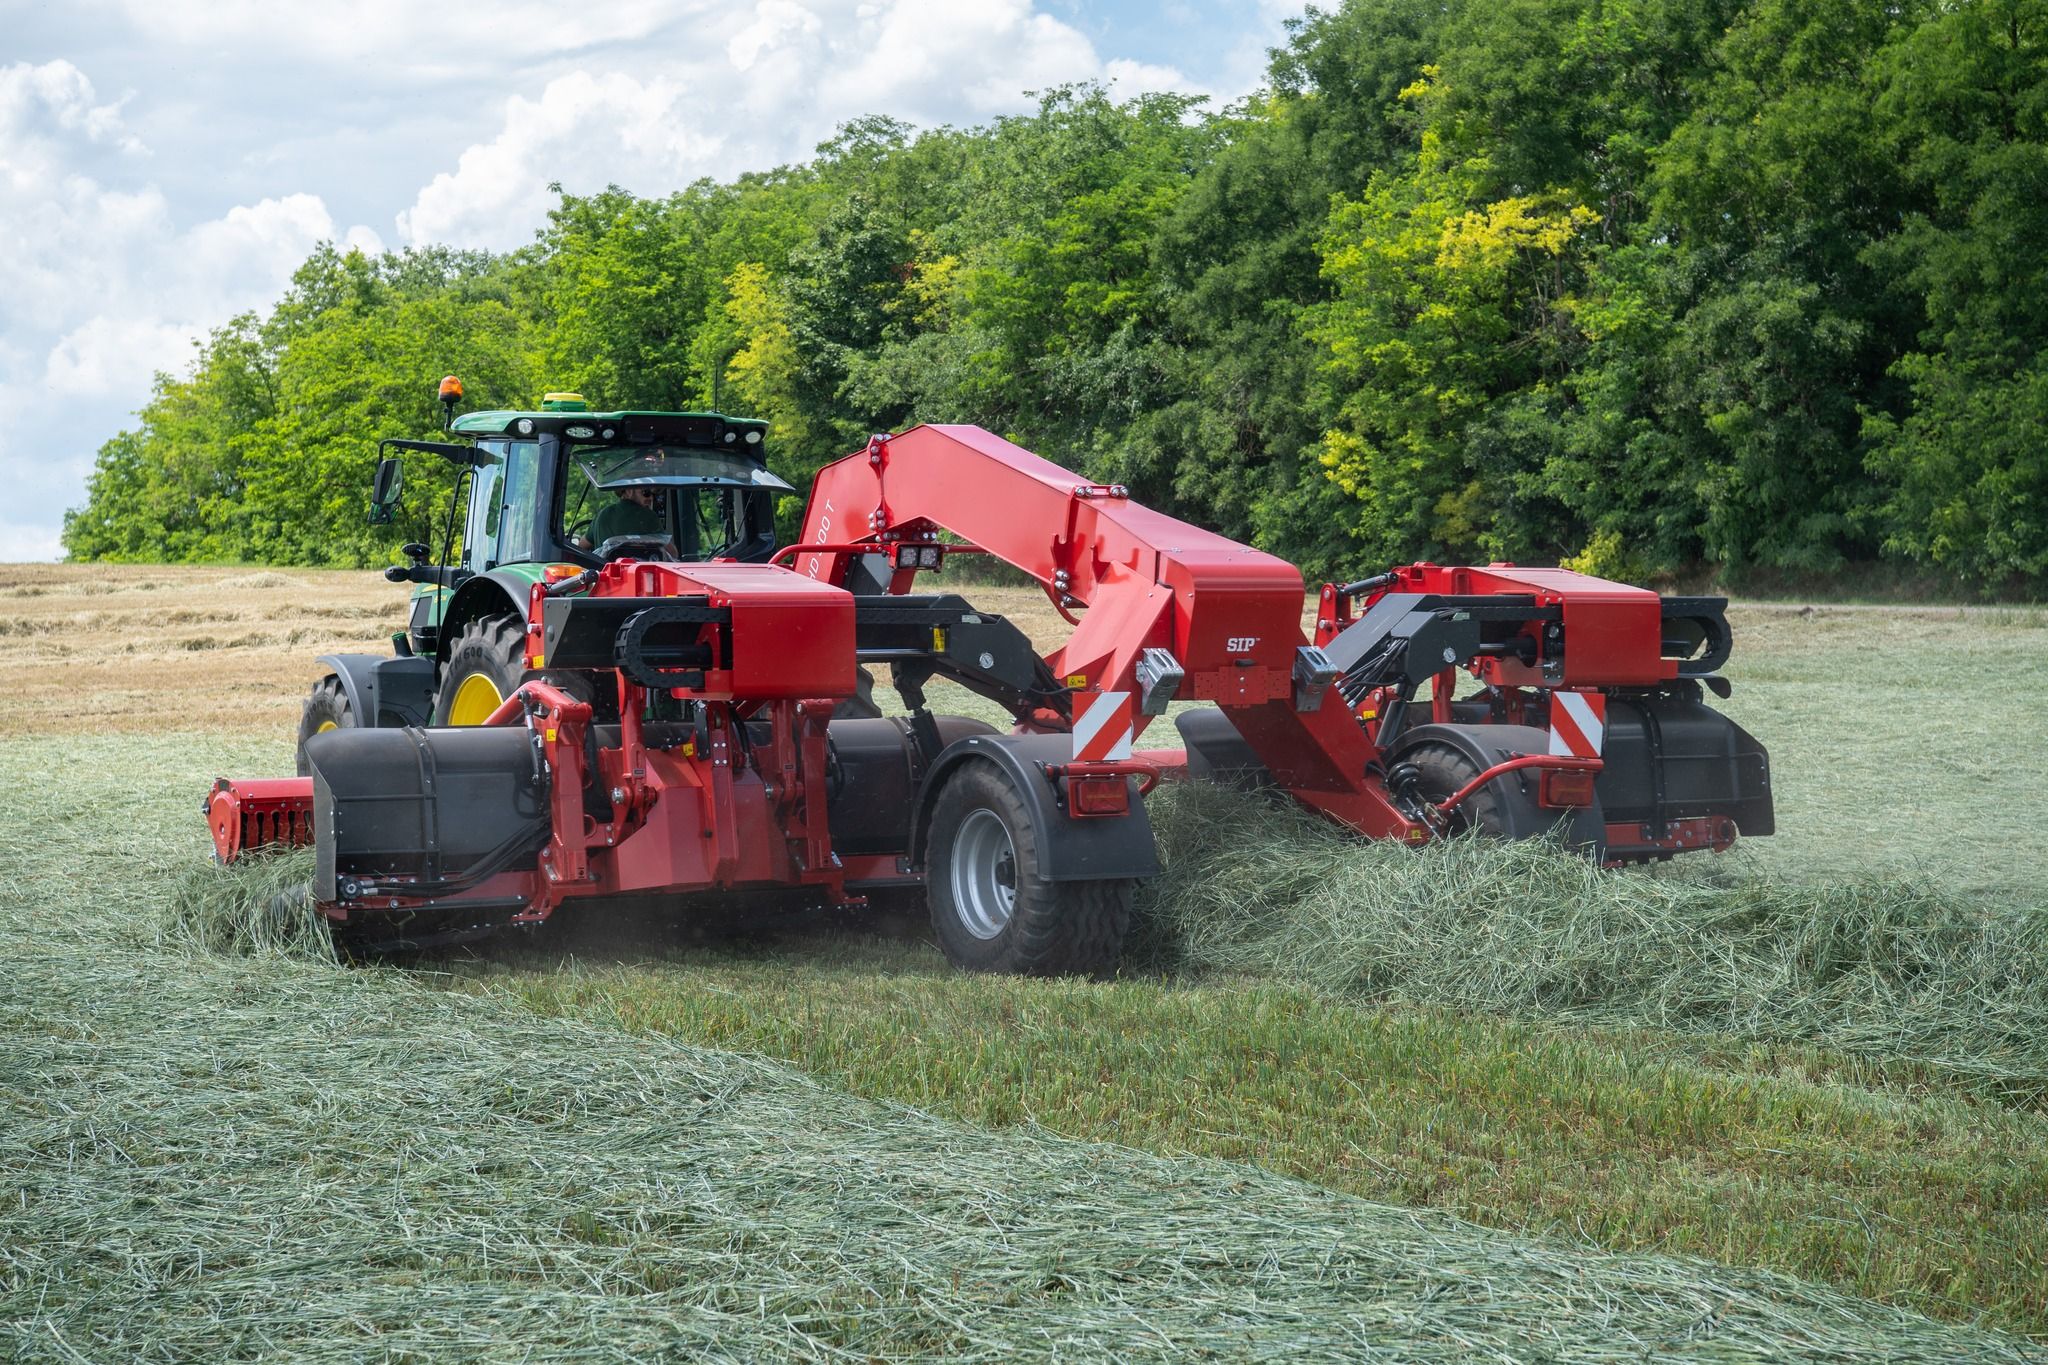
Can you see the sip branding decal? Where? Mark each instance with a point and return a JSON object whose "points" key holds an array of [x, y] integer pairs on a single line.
{"points": [[1241, 644]]}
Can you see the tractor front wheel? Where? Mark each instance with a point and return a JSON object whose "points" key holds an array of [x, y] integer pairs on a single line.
{"points": [[486, 665], [991, 909], [326, 708]]}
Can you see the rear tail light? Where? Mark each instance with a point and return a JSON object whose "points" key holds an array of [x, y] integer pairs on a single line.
{"points": [[1561, 787], [1087, 796]]}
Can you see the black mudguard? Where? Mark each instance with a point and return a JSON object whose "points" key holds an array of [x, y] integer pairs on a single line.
{"points": [[876, 778], [385, 692], [494, 593], [1070, 850]]}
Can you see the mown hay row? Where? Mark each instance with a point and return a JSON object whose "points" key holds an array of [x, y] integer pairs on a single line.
{"points": [[1880, 966], [210, 1158]]}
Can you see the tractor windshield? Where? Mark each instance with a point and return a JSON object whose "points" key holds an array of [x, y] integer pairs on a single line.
{"points": [[612, 467], [710, 503]]}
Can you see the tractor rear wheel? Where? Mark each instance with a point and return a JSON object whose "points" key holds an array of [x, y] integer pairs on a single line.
{"points": [[992, 910], [326, 708], [861, 705], [485, 666]]}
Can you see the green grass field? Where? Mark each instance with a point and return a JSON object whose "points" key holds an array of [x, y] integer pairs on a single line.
{"points": [[213, 1154]]}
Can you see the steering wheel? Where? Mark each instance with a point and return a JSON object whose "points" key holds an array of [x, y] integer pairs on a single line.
{"points": [[638, 545]]}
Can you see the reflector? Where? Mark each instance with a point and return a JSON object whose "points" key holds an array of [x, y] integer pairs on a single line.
{"points": [[1098, 796], [1562, 787]]}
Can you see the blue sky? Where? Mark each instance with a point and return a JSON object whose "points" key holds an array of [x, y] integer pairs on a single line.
{"points": [[164, 164]]}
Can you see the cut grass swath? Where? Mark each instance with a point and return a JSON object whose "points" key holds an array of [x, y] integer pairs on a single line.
{"points": [[214, 1158], [249, 910], [1880, 966]]}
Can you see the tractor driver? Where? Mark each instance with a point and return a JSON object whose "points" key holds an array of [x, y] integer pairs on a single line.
{"points": [[635, 512]]}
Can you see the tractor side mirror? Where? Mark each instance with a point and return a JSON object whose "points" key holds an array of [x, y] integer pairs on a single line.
{"points": [[384, 490]]}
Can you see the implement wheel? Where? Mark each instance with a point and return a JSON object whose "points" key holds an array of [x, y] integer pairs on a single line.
{"points": [[486, 666], [991, 909], [1441, 770], [326, 708], [1505, 808]]}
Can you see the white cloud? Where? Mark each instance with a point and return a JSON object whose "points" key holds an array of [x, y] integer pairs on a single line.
{"points": [[449, 37], [774, 22], [243, 257], [932, 54], [791, 73], [583, 128], [105, 287], [59, 95], [22, 542], [1142, 78], [116, 356]]}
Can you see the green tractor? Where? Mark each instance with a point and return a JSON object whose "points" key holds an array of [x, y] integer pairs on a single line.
{"points": [[537, 496]]}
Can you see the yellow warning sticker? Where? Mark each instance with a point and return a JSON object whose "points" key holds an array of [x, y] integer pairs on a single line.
{"points": [[1077, 679], [551, 734]]}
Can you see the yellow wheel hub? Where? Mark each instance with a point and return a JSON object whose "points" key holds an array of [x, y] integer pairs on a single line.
{"points": [[476, 696]]}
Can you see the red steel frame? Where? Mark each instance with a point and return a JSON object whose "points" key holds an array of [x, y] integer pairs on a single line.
{"points": [[700, 817], [1230, 614]]}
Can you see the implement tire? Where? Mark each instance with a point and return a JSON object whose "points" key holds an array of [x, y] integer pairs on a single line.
{"points": [[326, 708], [1440, 771], [1507, 807], [991, 909], [485, 666]]}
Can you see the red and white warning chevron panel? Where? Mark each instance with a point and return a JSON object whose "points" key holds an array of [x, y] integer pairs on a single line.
{"points": [[1103, 729], [1578, 724]]}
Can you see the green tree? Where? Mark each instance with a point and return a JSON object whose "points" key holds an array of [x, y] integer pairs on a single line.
{"points": [[1447, 306], [1965, 107]]}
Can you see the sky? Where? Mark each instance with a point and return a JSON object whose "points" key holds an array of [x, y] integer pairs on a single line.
{"points": [[166, 164]]}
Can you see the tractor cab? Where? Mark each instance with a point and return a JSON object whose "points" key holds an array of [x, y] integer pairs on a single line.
{"points": [[554, 486], [564, 486]]}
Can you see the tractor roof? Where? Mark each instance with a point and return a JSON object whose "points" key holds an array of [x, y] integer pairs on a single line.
{"points": [[713, 429]]}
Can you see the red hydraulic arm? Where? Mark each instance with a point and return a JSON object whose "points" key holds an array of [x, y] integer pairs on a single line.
{"points": [[1229, 615]]}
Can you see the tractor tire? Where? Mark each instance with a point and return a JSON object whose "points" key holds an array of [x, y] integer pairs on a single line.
{"points": [[485, 666], [991, 910], [326, 708], [861, 705]]}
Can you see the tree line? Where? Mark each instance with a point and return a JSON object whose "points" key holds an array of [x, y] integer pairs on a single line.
{"points": [[1648, 287]]}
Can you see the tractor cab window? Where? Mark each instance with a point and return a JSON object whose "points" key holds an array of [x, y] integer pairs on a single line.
{"points": [[712, 504], [504, 506], [480, 529]]}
